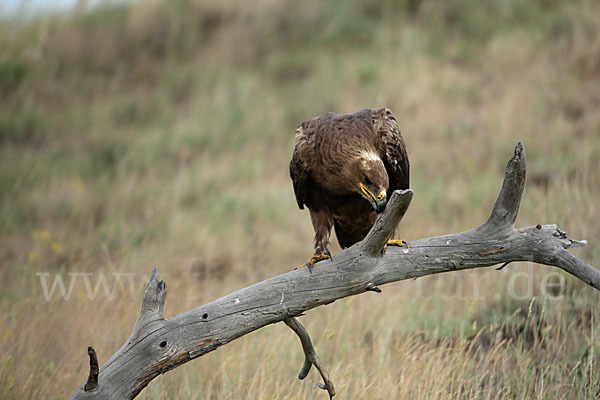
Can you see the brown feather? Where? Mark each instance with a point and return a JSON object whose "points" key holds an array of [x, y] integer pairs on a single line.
{"points": [[333, 155]]}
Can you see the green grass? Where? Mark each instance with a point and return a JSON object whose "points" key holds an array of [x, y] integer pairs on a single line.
{"points": [[159, 133]]}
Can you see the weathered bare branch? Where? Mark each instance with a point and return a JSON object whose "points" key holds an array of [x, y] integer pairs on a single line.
{"points": [[157, 345]]}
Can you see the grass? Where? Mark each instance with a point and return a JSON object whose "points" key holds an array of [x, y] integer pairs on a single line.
{"points": [[158, 133]]}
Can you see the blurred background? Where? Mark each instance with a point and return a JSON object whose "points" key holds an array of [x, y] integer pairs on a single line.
{"points": [[158, 133]]}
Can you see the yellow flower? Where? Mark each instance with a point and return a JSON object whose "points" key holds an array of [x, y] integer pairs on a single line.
{"points": [[32, 256], [7, 333], [57, 247]]}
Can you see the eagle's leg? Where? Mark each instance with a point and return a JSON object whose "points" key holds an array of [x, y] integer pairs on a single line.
{"points": [[322, 223]]}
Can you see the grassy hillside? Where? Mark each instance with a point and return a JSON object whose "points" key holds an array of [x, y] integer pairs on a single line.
{"points": [[159, 133]]}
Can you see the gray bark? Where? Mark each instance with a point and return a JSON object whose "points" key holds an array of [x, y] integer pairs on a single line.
{"points": [[158, 345]]}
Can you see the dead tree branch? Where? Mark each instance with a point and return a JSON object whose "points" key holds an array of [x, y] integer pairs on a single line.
{"points": [[157, 345]]}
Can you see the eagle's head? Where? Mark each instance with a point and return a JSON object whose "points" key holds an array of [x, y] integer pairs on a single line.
{"points": [[371, 180]]}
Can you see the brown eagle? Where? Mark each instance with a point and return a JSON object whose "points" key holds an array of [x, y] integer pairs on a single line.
{"points": [[342, 168]]}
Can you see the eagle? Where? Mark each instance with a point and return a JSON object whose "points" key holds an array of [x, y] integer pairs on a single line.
{"points": [[343, 166]]}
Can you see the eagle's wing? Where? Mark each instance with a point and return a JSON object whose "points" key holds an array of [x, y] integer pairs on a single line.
{"points": [[300, 165], [391, 148]]}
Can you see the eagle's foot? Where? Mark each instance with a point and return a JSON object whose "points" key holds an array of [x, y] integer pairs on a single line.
{"points": [[394, 242], [326, 255]]}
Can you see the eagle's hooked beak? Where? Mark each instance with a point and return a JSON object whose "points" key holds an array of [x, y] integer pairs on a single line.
{"points": [[380, 206], [377, 201]]}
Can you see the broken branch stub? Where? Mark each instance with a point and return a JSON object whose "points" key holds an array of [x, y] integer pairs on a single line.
{"points": [[386, 223], [507, 204], [92, 381]]}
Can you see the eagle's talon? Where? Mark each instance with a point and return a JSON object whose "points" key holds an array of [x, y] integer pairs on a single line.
{"points": [[326, 255], [400, 243]]}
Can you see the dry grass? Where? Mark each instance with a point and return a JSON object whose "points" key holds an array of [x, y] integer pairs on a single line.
{"points": [[154, 134]]}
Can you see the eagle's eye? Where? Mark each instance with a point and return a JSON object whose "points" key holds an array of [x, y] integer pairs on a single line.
{"points": [[368, 181]]}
